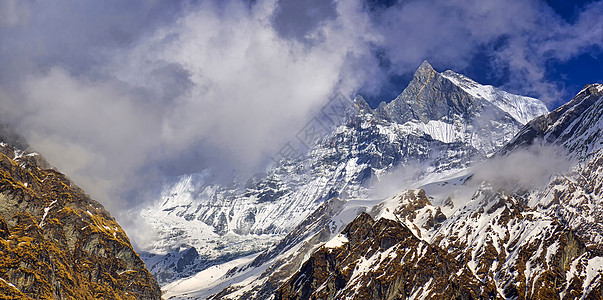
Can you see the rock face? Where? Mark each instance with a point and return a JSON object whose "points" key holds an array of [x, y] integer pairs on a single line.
{"points": [[576, 125], [482, 116], [492, 248], [573, 197], [56, 242], [439, 123], [380, 260]]}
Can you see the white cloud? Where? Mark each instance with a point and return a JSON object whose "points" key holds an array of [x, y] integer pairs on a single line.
{"points": [[217, 88], [527, 34], [136, 89], [523, 168], [396, 180], [13, 12], [95, 132], [566, 41], [249, 88]]}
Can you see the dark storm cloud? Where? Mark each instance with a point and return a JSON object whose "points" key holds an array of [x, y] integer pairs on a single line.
{"points": [[72, 34], [298, 19]]}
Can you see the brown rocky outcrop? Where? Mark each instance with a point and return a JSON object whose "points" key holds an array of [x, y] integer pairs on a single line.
{"points": [[58, 243]]}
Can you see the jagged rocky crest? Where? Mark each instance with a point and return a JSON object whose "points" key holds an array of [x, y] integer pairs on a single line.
{"points": [[544, 243], [379, 260], [434, 123], [497, 249], [469, 122], [56, 242]]}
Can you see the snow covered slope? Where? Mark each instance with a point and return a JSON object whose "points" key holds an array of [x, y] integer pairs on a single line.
{"points": [[510, 241], [434, 125], [522, 109], [493, 247], [576, 197]]}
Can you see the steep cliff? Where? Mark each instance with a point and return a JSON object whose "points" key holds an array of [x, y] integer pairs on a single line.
{"points": [[58, 243]]}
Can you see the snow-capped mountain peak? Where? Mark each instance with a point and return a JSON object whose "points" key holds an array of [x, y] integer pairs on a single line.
{"points": [[434, 96], [521, 108], [434, 124]]}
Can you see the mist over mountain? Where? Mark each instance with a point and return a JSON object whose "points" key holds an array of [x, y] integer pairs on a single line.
{"points": [[441, 124], [299, 149], [124, 96], [521, 222]]}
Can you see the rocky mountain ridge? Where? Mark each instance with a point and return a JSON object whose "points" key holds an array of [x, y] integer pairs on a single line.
{"points": [[56, 242], [499, 251], [356, 155], [513, 243], [446, 129]]}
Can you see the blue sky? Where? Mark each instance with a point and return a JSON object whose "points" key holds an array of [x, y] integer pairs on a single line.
{"points": [[574, 73], [566, 75], [123, 95]]}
